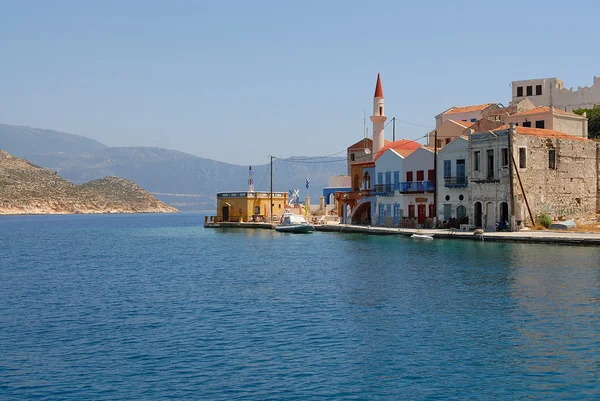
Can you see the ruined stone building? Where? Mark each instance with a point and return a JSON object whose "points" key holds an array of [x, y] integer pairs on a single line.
{"points": [[550, 171], [551, 92]]}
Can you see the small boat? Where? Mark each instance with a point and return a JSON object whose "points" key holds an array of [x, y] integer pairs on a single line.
{"points": [[293, 223], [421, 236]]}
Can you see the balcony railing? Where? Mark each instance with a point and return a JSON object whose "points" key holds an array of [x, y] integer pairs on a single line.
{"points": [[455, 182], [384, 189], [417, 186]]}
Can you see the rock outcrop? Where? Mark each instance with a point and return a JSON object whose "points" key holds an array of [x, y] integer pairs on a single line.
{"points": [[28, 189]]}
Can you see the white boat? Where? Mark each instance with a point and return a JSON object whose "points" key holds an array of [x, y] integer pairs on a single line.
{"points": [[293, 223], [421, 236]]}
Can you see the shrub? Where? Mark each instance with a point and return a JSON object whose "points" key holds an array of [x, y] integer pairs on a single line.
{"points": [[544, 220]]}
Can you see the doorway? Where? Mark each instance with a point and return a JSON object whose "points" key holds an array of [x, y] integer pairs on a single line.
{"points": [[421, 211], [490, 221], [225, 213], [478, 213], [503, 212]]}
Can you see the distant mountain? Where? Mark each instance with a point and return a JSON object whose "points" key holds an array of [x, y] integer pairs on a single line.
{"points": [[26, 141], [28, 189], [182, 180]]}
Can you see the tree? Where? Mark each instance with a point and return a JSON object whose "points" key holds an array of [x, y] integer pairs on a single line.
{"points": [[593, 116]]}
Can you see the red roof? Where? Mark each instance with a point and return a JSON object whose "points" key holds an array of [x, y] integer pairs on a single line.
{"points": [[378, 90], [545, 133], [465, 124], [467, 109], [544, 109], [403, 147]]}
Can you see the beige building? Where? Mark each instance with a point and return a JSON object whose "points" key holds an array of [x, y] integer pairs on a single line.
{"points": [[447, 132], [249, 206], [464, 113], [552, 119], [551, 92]]}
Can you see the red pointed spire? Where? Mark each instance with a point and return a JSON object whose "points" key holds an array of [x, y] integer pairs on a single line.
{"points": [[378, 90]]}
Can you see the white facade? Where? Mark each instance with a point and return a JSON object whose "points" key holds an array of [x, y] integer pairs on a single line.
{"points": [[417, 185], [552, 119], [551, 92], [388, 178], [452, 183]]}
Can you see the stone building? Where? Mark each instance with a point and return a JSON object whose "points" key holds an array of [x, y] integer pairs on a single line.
{"points": [[551, 92], [551, 172], [553, 119]]}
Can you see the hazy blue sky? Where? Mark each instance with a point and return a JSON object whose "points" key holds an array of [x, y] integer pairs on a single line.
{"points": [[237, 81]]}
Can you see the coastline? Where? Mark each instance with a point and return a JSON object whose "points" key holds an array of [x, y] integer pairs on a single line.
{"points": [[523, 236]]}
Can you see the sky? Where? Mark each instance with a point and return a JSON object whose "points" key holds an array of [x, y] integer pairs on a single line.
{"points": [[238, 81]]}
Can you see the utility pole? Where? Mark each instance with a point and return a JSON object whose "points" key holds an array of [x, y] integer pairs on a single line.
{"points": [[435, 174], [271, 197], [394, 129], [511, 187]]}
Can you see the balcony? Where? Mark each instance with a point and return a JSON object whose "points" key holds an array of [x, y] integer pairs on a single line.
{"points": [[384, 190], [455, 182], [416, 186]]}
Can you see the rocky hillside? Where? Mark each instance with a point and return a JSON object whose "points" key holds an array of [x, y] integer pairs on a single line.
{"points": [[28, 189]]}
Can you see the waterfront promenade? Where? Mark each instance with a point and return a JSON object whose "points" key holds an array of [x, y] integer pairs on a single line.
{"points": [[531, 236]]}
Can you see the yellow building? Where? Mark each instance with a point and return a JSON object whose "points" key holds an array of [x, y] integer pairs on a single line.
{"points": [[249, 206]]}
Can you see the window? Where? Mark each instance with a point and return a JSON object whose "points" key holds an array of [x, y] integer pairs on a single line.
{"points": [[552, 159], [380, 110], [379, 178], [409, 176], [461, 212], [431, 210], [388, 177], [430, 175], [519, 91], [490, 163], [460, 169], [539, 124], [352, 157], [440, 143], [411, 211], [396, 180], [420, 175], [527, 124], [530, 91], [522, 157], [447, 211], [448, 140], [538, 90], [447, 168], [473, 120], [504, 157], [388, 209], [476, 156]]}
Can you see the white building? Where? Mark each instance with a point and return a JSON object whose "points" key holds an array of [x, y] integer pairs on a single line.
{"points": [[551, 118], [452, 182], [551, 92], [418, 186]]}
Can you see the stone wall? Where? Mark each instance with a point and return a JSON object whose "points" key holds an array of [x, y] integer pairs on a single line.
{"points": [[567, 191]]}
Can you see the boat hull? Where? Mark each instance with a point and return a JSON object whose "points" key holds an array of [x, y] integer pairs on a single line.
{"points": [[295, 229]]}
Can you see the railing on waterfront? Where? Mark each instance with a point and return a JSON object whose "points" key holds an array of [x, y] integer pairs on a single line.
{"points": [[455, 182], [417, 186]]}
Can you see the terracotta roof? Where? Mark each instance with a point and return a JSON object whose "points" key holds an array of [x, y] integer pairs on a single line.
{"points": [[378, 90], [466, 109], [465, 124], [545, 133], [403, 147], [544, 109]]}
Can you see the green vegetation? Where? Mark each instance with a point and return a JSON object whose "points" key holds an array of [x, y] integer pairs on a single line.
{"points": [[593, 116], [544, 220]]}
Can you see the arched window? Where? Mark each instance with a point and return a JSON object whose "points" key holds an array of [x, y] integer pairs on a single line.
{"points": [[461, 212], [367, 180]]}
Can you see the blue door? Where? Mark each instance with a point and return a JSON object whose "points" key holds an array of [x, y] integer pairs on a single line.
{"points": [[381, 214], [396, 214]]}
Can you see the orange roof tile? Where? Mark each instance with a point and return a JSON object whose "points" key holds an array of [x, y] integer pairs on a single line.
{"points": [[466, 109], [543, 109], [403, 147], [545, 133], [465, 124], [378, 90]]}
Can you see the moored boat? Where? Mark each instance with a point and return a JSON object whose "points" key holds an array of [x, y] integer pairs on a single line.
{"points": [[293, 223], [421, 236]]}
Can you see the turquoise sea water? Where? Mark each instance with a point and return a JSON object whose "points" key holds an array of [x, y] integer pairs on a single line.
{"points": [[141, 307]]}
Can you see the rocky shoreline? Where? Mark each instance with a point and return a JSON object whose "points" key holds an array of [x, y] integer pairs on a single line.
{"points": [[28, 189]]}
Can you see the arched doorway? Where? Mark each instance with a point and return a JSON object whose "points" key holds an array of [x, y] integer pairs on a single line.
{"points": [[490, 221], [503, 212], [367, 180], [355, 183], [331, 199], [362, 214], [478, 214]]}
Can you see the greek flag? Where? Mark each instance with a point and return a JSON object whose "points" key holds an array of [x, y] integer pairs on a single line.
{"points": [[307, 181]]}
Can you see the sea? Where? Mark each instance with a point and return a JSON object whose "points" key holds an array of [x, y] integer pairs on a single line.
{"points": [[156, 307]]}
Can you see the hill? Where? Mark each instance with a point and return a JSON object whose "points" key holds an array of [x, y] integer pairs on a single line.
{"points": [[28, 189], [182, 180]]}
